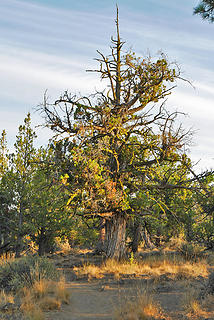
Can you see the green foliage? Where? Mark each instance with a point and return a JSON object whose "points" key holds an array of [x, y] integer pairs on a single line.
{"points": [[25, 271], [131, 258], [82, 234], [206, 10], [48, 216], [203, 219]]}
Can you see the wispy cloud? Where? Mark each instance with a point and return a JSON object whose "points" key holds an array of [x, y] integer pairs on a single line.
{"points": [[43, 47]]}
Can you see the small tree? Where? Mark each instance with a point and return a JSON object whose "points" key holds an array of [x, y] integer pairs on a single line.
{"points": [[206, 10], [22, 169], [119, 139]]}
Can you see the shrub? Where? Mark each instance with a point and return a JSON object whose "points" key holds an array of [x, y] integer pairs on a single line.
{"points": [[191, 252], [25, 271]]}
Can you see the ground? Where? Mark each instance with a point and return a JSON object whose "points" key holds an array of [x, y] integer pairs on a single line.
{"points": [[100, 299]]}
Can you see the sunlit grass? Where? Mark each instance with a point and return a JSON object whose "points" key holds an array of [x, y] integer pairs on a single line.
{"points": [[44, 295], [151, 266], [142, 308]]}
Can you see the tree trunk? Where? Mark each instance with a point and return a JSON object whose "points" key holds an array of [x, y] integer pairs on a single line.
{"points": [[147, 239], [136, 236], [19, 243], [44, 242], [115, 237]]}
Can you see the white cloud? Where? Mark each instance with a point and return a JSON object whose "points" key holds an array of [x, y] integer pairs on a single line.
{"points": [[45, 48]]}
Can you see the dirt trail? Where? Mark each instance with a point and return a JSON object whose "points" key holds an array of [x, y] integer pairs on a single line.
{"points": [[98, 300], [88, 301]]}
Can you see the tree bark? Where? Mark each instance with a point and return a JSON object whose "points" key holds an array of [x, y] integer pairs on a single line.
{"points": [[115, 237]]}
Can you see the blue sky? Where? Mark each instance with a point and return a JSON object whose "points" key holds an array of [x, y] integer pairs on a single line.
{"points": [[48, 44]]}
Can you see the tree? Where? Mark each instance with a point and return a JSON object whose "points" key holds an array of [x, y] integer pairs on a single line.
{"points": [[5, 196], [22, 169], [48, 217], [206, 10], [119, 138], [203, 220]]}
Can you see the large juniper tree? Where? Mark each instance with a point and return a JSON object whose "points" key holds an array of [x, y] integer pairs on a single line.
{"points": [[118, 139]]}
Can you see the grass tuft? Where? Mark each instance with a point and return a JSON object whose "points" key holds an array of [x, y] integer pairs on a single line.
{"points": [[43, 295], [143, 308]]}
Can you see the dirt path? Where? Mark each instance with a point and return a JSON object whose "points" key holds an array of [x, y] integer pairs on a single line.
{"points": [[88, 301], [98, 300]]}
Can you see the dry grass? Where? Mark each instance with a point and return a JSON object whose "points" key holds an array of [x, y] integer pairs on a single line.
{"points": [[143, 308], [44, 295], [63, 246], [152, 266], [5, 298], [61, 292]]}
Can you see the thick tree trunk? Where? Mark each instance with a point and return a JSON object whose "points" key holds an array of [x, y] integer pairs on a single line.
{"points": [[44, 243], [115, 237]]}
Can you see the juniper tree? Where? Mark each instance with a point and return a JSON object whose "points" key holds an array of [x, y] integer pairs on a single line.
{"points": [[119, 138]]}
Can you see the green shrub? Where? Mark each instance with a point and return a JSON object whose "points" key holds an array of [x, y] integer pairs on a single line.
{"points": [[25, 271]]}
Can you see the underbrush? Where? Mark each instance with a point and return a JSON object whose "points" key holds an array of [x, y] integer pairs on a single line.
{"points": [[31, 285], [174, 268], [17, 273]]}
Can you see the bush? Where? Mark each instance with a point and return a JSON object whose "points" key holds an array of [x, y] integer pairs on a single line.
{"points": [[25, 271], [191, 252]]}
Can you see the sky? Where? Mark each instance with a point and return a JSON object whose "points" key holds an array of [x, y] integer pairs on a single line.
{"points": [[49, 44]]}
